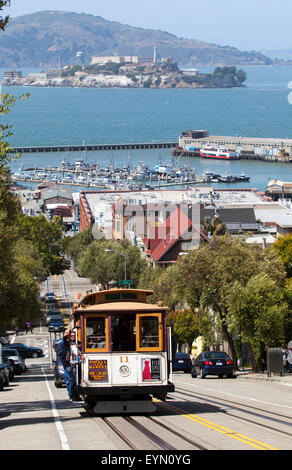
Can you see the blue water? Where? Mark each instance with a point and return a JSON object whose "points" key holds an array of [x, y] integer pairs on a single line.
{"points": [[64, 116]]}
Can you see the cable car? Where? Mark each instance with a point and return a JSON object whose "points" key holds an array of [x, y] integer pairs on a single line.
{"points": [[125, 349]]}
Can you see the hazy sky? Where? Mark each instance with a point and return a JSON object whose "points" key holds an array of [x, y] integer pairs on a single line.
{"points": [[247, 25]]}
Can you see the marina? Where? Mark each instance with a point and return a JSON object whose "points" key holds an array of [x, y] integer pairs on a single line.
{"points": [[125, 177]]}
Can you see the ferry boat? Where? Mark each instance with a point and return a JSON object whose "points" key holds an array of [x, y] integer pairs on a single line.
{"points": [[221, 152]]}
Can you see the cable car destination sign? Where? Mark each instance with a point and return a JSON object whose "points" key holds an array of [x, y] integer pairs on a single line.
{"points": [[97, 370]]}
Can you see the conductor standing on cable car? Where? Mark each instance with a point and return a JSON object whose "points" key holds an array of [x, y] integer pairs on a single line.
{"points": [[63, 353]]}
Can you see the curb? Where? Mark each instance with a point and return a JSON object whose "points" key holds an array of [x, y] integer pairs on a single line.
{"points": [[265, 378]]}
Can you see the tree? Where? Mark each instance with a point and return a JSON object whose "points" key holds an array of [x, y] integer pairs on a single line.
{"points": [[76, 245], [241, 76], [186, 327], [19, 268], [4, 20], [257, 313], [102, 267], [209, 275], [283, 247], [213, 226], [47, 237]]}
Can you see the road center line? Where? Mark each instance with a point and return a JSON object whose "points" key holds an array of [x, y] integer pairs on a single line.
{"points": [[59, 426]]}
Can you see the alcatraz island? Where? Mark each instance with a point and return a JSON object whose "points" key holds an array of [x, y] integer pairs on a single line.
{"points": [[129, 72]]}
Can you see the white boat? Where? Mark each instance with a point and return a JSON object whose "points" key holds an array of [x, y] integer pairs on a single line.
{"points": [[221, 152]]}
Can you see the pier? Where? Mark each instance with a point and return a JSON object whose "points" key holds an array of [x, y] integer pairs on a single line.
{"points": [[87, 147], [249, 148]]}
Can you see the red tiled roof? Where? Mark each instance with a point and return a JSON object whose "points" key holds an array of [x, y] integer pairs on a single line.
{"points": [[173, 228]]}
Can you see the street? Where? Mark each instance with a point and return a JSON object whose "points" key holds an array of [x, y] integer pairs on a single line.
{"points": [[202, 414], [213, 414]]}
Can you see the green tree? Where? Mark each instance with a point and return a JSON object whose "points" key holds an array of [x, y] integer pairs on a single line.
{"points": [[214, 226], [210, 273], [4, 20], [283, 247], [47, 237], [257, 313], [19, 269], [101, 266], [186, 327], [75, 246]]}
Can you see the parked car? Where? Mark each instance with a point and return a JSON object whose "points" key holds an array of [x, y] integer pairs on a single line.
{"points": [[4, 373], [2, 377], [10, 370], [15, 359], [56, 324], [59, 374], [26, 351], [212, 363], [182, 362], [50, 297]]}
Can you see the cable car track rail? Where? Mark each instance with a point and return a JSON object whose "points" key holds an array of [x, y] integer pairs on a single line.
{"points": [[120, 434], [152, 437]]}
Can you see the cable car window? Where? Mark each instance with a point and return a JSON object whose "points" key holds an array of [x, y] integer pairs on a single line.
{"points": [[150, 332], [123, 332], [96, 333]]}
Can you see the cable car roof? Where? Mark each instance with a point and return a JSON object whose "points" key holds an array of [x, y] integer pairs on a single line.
{"points": [[116, 295], [119, 307]]}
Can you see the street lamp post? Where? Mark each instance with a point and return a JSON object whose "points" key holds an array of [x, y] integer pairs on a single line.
{"points": [[125, 260]]}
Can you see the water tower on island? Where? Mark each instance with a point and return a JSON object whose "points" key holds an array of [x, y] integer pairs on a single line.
{"points": [[80, 56]]}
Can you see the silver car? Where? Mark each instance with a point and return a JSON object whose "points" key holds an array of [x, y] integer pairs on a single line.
{"points": [[15, 359]]}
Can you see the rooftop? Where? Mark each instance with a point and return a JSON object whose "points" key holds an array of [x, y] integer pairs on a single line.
{"points": [[195, 195]]}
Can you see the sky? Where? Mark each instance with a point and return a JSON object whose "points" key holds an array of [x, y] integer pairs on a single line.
{"points": [[248, 25]]}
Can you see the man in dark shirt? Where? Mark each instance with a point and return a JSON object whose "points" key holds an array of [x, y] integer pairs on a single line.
{"points": [[63, 353]]}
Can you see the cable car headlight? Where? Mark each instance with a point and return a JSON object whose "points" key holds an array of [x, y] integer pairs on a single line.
{"points": [[124, 371]]}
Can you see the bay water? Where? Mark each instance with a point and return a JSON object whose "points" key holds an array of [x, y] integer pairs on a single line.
{"points": [[68, 116]]}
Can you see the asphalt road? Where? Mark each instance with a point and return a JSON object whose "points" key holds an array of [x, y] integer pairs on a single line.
{"points": [[202, 414]]}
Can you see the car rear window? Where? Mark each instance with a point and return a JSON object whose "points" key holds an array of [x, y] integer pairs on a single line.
{"points": [[215, 355], [181, 356]]}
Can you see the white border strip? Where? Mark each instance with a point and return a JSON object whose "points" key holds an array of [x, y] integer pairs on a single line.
{"points": [[59, 426]]}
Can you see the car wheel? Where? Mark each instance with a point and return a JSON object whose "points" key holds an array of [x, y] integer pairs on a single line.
{"points": [[11, 375], [58, 384], [1, 384], [202, 374], [194, 375], [220, 376], [34, 355], [231, 376]]}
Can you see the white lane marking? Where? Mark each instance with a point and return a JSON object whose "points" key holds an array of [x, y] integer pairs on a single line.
{"points": [[236, 396], [59, 426]]}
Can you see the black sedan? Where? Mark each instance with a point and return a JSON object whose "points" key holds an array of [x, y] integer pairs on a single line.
{"points": [[212, 363], [26, 351], [56, 324], [182, 362], [50, 297]]}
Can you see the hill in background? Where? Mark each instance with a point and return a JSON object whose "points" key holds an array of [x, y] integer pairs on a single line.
{"points": [[39, 39]]}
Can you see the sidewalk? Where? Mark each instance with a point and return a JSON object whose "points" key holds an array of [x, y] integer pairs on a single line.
{"points": [[285, 379]]}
